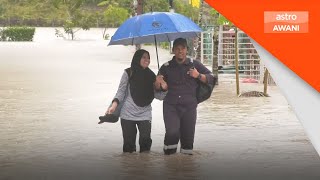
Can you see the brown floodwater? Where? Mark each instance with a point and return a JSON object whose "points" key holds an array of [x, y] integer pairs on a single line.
{"points": [[53, 90]]}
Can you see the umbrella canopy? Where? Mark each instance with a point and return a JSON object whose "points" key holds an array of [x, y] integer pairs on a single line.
{"points": [[154, 27], [159, 26]]}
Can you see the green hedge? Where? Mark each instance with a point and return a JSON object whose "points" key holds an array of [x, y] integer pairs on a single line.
{"points": [[165, 45], [17, 34]]}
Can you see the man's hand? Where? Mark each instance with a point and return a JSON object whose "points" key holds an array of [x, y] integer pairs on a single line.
{"points": [[159, 79], [164, 85], [193, 72], [160, 83]]}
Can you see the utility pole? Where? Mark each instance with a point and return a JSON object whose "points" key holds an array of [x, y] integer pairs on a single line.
{"points": [[237, 60]]}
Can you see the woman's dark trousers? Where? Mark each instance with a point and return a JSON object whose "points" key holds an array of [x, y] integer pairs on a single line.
{"points": [[129, 132]]}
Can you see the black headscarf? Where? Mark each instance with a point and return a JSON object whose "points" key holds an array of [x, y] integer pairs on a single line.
{"points": [[141, 81]]}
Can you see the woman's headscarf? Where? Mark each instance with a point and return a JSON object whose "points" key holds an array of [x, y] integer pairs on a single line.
{"points": [[141, 81]]}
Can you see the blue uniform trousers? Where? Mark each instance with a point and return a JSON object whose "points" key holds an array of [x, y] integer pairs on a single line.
{"points": [[180, 123]]}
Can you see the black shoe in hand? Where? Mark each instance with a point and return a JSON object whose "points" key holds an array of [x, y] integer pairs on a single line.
{"points": [[108, 118]]}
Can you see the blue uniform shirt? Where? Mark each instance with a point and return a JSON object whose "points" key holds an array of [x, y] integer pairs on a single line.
{"points": [[181, 86]]}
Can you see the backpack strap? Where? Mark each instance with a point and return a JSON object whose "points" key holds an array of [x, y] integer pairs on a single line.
{"points": [[192, 62], [129, 72]]}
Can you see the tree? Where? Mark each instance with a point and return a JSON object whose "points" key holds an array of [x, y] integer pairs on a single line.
{"points": [[198, 54], [156, 5], [2, 10], [186, 10], [76, 18], [106, 4], [115, 16]]}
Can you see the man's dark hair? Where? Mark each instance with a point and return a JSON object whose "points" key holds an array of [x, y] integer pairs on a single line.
{"points": [[180, 41]]}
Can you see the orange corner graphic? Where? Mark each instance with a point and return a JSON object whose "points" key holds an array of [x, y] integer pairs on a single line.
{"points": [[294, 40]]}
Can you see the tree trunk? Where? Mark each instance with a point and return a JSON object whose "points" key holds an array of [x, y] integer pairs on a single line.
{"points": [[139, 11], [104, 33], [72, 35], [198, 54], [215, 43], [140, 7], [236, 60]]}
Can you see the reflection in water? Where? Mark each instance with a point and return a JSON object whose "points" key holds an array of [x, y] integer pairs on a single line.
{"points": [[140, 164], [181, 166], [154, 164], [52, 92]]}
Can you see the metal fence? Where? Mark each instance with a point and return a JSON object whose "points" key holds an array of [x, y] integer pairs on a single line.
{"points": [[250, 65]]}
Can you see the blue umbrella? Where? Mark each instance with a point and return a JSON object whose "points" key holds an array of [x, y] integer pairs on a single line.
{"points": [[154, 27]]}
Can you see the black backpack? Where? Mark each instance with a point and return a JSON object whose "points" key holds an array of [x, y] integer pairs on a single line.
{"points": [[204, 90]]}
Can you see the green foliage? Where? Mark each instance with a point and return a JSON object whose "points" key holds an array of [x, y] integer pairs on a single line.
{"points": [[108, 3], [115, 16], [224, 21], [17, 34], [164, 45], [156, 5], [76, 18], [80, 13], [107, 37], [2, 10], [186, 9]]}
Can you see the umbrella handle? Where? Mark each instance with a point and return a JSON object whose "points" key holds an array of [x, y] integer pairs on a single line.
{"points": [[155, 41]]}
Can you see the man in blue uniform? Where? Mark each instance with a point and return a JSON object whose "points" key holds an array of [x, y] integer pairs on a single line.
{"points": [[180, 103]]}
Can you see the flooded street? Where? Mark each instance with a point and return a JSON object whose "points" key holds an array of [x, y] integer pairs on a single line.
{"points": [[52, 92]]}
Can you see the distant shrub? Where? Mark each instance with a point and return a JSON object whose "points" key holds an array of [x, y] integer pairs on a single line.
{"points": [[165, 45], [107, 37], [17, 34]]}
